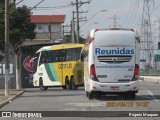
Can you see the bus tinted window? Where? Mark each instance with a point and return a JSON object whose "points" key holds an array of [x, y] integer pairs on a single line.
{"points": [[60, 55], [79, 53], [46, 57], [73, 54]]}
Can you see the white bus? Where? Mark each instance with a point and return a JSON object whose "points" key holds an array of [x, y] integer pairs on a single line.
{"points": [[111, 62]]}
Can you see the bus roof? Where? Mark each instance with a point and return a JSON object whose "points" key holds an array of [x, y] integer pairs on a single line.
{"points": [[92, 32], [60, 46]]}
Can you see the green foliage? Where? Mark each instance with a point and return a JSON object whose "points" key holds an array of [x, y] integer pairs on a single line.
{"points": [[68, 38], [20, 27], [78, 72]]}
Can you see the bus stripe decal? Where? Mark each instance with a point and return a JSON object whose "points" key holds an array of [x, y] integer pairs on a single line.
{"points": [[49, 72], [54, 73]]}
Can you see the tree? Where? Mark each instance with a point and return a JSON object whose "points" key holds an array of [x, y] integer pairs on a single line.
{"points": [[20, 29]]}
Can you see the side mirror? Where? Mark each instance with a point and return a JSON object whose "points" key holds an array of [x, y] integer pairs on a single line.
{"points": [[82, 57], [83, 54], [32, 61], [138, 39]]}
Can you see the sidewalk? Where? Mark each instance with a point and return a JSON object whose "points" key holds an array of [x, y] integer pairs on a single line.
{"points": [[151, 79], [13, 93]]}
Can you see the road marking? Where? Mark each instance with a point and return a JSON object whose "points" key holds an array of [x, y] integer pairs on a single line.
{"points": [[87, 104], [151, 94]]}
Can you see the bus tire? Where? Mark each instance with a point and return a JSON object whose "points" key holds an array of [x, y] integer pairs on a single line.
{"points": [[41, 85], [73, 85], [86, 94], [132, 95], [129, 95], [97, 95], [67, 83], [64, 87], [90, 95]]}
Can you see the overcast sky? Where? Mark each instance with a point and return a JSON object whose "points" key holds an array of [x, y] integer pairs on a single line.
{"points": [[129, 12]]}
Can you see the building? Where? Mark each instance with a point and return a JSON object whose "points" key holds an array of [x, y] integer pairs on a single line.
{"points": [[49, 29]]}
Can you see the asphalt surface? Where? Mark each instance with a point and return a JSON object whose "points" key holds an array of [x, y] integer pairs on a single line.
{"points": [[57, 99]]}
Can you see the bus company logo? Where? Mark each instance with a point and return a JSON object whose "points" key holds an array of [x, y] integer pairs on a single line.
{"points": [[65, 66], [114, 59], [6, 114], [117, 51], [27, 65]]}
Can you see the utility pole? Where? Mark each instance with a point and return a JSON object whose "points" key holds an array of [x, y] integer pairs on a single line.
{"points": [[156, 62], [80, 19], [65, 26], [77, 18], [115, 21], [14, 4], [146, 34], [158, 28], [7, 76], [72, 28], [78, 4], [50, 30]]}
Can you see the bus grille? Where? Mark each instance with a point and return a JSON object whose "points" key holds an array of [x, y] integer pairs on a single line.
{"points": [[115, 58]]}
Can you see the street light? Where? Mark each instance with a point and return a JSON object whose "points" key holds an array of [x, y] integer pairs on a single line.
{"points": [[95, 23], [93, 16]]}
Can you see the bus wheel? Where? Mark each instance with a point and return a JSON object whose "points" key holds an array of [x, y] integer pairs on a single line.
{"points": [[131, 95], [90, 95], [41, 85], [73, 85], [86, 94], [98, 96], [64, 87], [67, 83]]}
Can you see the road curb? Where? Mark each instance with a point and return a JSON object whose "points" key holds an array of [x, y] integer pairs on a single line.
{"points": [[11, 98], [150, 79]]}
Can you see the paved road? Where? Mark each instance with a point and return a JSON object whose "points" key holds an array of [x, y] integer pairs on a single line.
{"points": [[57, 99]]}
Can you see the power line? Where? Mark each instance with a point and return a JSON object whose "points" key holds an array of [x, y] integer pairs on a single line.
{"points": [[146, 33], [51, 8], [136, 12], [132, 13], [128, 12], [37, 4], [68, 5], [19, 2], [93, 16], [78, 4]]}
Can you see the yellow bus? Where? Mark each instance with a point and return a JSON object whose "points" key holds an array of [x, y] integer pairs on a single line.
{"points": [[59, 65]]}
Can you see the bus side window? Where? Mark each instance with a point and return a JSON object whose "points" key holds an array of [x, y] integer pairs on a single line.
{"points": [[78, 53], [57, 56], [71, 54], [62, 55]]}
